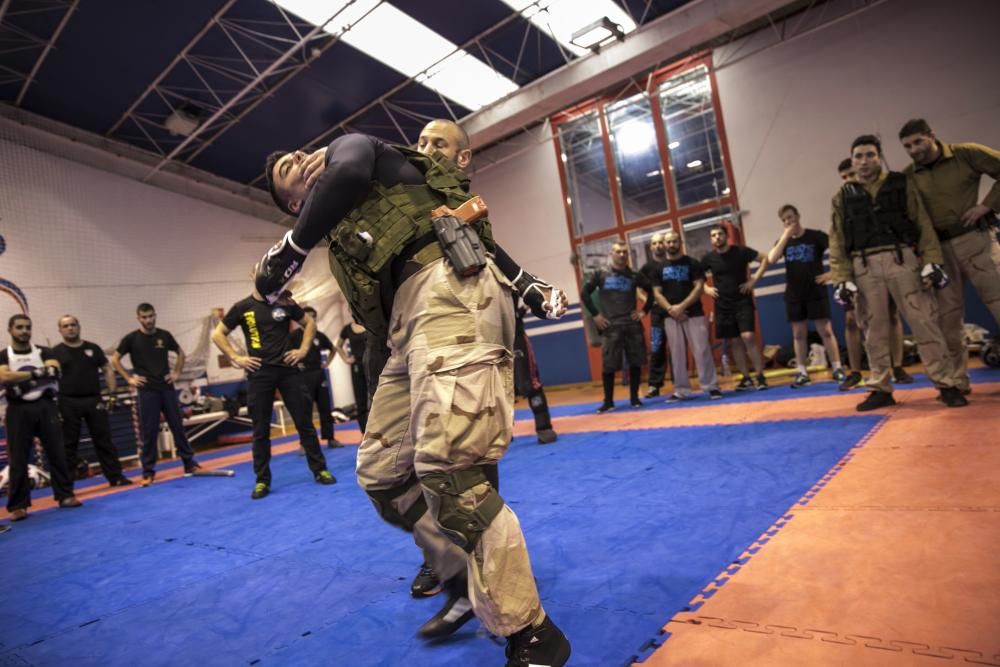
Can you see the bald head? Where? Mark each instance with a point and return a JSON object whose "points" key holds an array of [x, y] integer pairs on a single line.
{"points": [[448, 138]]}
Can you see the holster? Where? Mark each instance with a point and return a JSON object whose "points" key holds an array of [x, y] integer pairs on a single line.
{"points": [[459, 242]]}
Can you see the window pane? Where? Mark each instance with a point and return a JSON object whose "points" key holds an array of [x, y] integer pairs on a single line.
{"points": [[639, 243], [637, 158], [586, 175], [695, 230], [692, 136], [594, 255]]}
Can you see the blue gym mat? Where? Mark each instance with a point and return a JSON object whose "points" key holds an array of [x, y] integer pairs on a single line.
{"points": [[624, 528]]}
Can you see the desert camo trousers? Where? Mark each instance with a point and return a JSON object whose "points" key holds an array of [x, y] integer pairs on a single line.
{"points": [[444, 403]]}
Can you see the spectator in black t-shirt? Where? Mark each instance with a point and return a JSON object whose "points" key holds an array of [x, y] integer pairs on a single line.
{"points": [[30, 375], [314, 373], [678, 290], [272, 364], [618, 321], [805, 291], [351, 345], [152, 378], [735, 316], [80, 399], [657, 340]]}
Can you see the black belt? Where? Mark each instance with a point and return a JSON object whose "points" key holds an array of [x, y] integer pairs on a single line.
{"points": [[947, 235]]}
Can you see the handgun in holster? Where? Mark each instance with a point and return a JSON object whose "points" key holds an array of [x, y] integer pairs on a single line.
{"points": [[459, 241]]}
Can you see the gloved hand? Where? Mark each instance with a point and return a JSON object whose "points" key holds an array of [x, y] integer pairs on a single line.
{"points": [[935, 275], [845, 292], [46, 372], [277, 268], [544, 300]]}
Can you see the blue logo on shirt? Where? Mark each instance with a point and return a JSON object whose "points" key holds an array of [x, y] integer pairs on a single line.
{"points": [[678, 272], [618, 283], [803, 252]]}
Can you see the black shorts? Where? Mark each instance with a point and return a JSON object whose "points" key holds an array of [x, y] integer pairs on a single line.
{"points": [[809, 309], [731, 321], [619, 338]]}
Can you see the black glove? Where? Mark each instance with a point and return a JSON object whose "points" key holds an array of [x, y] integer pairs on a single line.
{"points": [[530, 288], [844, 293], [277, 268], [939, 279], [46, 372]]}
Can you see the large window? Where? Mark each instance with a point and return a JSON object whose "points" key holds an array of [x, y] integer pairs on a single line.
{"points": [[588, 191], [637, 158]]}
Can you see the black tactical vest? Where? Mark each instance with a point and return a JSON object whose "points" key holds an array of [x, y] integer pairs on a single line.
{"points": [[879, 223]]}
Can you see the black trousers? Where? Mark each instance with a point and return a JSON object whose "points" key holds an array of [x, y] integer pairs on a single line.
{"points": [[362, 400], [319, 393], [261, 386], [25, 422], [153, 402], [657, 349], [75, 410], [527, 382]]}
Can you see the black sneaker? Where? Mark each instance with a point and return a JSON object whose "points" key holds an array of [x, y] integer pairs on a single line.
{"points": [[542, 646], [325, 477], [260, 489], [426, 583], [653, 392], [635, 402], [745, 384], [714, 394], [801, 380], [839, 375], [875, 400], [761, 382], [673, 398], [900, 376], [850, 382], [120, 481], [953, 398], [605, 407], [547, 436], [147, 478], [332, 444], [455, 613], [191, 468]]}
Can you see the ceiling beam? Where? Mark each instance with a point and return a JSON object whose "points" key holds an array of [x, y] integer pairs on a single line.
{"points": [[650, 46]]}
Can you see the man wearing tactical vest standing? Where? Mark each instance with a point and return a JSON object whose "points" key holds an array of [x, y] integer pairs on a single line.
{"points": [[947, 177], [418, 276], [30, 375], [882, 243]]}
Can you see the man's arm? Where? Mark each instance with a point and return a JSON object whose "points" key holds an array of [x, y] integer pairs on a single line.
{"points": [[341, 347], [175, 374], [109, 378], [983, 160], [928, 245], [7, 376], [779, 248], [132, 380], [841, 269], [296, 355], [220, 336], [747, 287], [693, 295], [660, 299]]}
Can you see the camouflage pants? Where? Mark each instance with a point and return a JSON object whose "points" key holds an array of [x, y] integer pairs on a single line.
{"points": [[879, 279], [972, 257], [445, 402]]}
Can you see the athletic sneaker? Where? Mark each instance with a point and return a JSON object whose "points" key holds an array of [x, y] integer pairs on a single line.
{"points": [[546, 436], [745, 384], [260, 489], [761, 382], [605, 407], [839, 375], [333, 444], [801, 380], [636, 403], [674, 397], [120, 481], [850, 382], [191, 468], [325, 477], [455, 613], [543, 646], [900, 376], [147, 478], [653, 392], [876, 400], [714, 394], [426, 583], [953, 398]]}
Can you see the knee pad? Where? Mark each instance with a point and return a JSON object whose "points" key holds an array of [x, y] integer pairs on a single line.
{"points": [[384, 501], [462, 526], [991, 354]]}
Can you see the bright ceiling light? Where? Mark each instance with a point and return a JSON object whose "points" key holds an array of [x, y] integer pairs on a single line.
{"points": [[694, 164], [562, 18], [635, 137], [673, 144], [383, 32]]}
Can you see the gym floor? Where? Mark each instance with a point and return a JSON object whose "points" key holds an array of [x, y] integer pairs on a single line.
{"points": [[771, 528]]}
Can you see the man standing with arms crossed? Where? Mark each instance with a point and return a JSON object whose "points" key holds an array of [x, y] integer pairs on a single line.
{"points": [[735, 315], [314, 374], [947, 177], [153, 380], [678, 291], [80, 399], [876, 224]]}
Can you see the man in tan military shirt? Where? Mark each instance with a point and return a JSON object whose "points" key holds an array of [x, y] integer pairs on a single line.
{"points": [[947, 177], [880, 237]]}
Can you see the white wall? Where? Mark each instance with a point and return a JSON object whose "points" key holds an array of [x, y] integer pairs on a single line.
{"points": [[83, 241], [791, 110]]}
